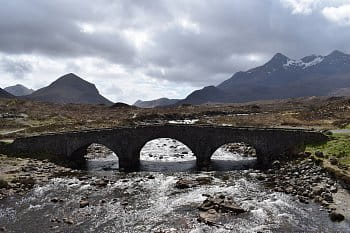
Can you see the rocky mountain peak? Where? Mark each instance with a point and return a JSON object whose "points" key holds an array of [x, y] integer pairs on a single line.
{"points": [[19, 90]]}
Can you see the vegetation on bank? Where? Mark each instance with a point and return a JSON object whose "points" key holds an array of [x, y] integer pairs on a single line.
{"points": [[338, 146]]}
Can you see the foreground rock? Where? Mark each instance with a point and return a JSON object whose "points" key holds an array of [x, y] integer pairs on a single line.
{"points": [[307, 181], [18, 175], [183, 183], [214, 207], [336, 217]]}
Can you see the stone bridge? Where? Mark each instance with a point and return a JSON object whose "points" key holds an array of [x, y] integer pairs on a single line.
{"points": [[126, 142]]}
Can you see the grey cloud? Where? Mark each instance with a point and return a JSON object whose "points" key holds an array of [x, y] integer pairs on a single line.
{"points": [[17, 68], [229, 31]]}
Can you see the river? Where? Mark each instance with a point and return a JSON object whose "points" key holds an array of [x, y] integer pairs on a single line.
{"points": [[147, 201]]}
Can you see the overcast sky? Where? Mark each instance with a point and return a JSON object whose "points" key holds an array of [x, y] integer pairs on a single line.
{"points": [[147, 49]]}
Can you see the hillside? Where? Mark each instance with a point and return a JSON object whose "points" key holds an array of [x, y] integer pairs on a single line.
{"points": [[69, 89], [19, 90], [281, 78], [5, 94], [155, 103]]}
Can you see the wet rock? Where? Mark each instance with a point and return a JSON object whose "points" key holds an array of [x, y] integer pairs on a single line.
{"points": [[184, 184], [276, 164], [319, 154], [68, 221], [317, 190], [83, 203], [125, 203], [26, 182], [101, 183], [3, 184], [221, 204], [208, 217], [333, 160], [204, 180], [54, 200], [336, 216], [333, 189]]}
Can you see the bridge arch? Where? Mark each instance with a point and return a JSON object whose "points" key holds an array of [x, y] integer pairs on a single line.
{"points": [[78, 159], [166, 154], [171, 147], [236, 155]]}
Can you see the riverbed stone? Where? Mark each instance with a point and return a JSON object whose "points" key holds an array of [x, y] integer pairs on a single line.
{"points": [[184, 184], [83, 203], [336, 216], [208, 217]]}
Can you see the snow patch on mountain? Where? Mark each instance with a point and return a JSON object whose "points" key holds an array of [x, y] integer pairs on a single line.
{"points": [[299, 63]]}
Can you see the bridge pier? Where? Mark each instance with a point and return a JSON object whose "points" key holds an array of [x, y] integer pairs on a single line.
{"points": [[129, 164], [203, 162]]}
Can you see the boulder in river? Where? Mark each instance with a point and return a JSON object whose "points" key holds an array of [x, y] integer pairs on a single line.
{"points": [[184, 184], [213, 207], [83, 203], [208, 217], [336, 217]]}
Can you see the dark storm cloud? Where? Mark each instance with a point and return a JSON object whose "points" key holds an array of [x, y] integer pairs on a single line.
{"points": [[52, 28], [195, 42]]}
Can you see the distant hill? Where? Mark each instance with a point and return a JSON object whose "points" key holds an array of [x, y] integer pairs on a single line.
{"points": [[69, 89], [155, 103], [5, 94], [280, 78], [19, 90], [120, 105], [341, 92]]}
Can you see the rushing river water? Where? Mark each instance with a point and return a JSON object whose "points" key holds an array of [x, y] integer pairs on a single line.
{"points": [[147, 201]]}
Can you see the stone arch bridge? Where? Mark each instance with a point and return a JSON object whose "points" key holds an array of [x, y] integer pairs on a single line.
{"points": [[126, 142]]}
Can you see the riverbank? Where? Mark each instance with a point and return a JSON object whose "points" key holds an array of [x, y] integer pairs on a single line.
{"points": [[20, 175]]}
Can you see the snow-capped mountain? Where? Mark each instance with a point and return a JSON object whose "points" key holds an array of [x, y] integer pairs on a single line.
{"points": [[281, 77]]}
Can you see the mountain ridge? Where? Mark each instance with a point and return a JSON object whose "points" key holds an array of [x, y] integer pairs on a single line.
{"points": [[19, 90], [280, 78], [161, 102], [69, 88], [5, 94]]}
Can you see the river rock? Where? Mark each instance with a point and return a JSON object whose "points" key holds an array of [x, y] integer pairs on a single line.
{"points": [[336, 216], [333, 160], [101, 183], [276, 164], [221, 204], [83, 203], [204, 180], [68, 221], [184, 184], [319, 154], [208, 217]]}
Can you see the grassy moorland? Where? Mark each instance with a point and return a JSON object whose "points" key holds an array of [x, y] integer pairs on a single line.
{"points": [[338, 146], [20, 117]]}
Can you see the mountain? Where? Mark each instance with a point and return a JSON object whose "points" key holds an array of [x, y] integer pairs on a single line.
{"points": [[341, 92], [5, 94], [19, 90], [280, 78], [155, 103], [69, 89]]}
